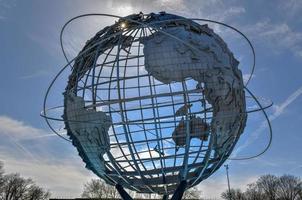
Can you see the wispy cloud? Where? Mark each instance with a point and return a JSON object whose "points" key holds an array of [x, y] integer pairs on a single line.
{"points": [[43, 71], [279, 37], [5, 6], [64, 176], [18, 129], [292, 170], [247, 76], [213, 9], [278, 111], [51, 44], [291, 8]]}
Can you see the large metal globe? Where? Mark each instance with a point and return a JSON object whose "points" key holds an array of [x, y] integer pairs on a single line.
{"points": [[153, 100]]}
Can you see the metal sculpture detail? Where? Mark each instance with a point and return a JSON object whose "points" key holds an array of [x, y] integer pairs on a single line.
{"points": [[154, 103]]}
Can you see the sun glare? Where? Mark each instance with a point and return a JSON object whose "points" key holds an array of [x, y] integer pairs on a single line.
{"points": [[123, 25]]}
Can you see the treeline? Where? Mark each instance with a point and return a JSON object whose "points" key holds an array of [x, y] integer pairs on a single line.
{"points": [[15, 187], [269, 187], [97, 189]]}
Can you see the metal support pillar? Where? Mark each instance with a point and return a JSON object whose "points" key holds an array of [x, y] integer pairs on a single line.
{"points": [[228, 179], [179, 190], [122, 192], [176, 196]]}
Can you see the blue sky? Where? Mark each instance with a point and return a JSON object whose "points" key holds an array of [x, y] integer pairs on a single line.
{"points": [[30, 57]]}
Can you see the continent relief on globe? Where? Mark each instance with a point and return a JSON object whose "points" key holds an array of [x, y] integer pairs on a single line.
{"points": [[205, 58], [89, 131]]}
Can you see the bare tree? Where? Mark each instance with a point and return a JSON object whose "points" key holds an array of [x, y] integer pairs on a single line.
{"points": [[233, 194], [1, 169], [269, 187], [252, 192], [1, 179], [93, 189], [289, 187], [268, 184], [15, 187], [300, 194], [1, 174], [98, 189], [37, 193], [192, 193]]}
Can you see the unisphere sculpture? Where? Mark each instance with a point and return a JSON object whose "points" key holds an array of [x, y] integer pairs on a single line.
{"points": [[155, 103]]}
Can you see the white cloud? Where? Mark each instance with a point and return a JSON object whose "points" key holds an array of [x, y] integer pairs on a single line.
{"points": [[18, 128], [279, 37], [63, 176]]}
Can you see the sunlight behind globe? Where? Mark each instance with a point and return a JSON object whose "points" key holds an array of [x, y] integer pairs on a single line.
{"points": [[153, 100]]}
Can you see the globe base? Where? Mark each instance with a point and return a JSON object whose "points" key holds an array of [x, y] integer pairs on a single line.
{"points": [[177, 195]]}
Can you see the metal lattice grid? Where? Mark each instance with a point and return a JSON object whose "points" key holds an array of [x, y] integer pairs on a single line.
{"points": [[139, 121]]}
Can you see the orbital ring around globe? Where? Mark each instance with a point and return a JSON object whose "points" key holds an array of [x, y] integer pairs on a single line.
{"points": [[261, 108], [196, 19], [53, 109], [133, 167]]}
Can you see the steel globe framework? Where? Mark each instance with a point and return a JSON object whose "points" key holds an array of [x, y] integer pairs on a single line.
{"points": [[154, 101]]}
